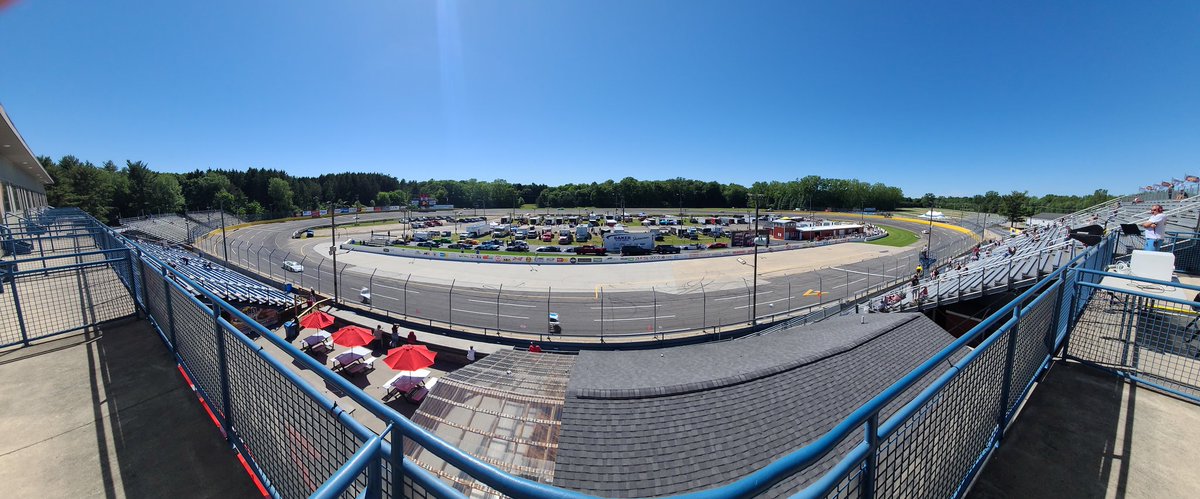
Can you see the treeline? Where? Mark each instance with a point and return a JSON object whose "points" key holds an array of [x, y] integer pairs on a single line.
{"points": [[811, 192], [1015, 206], [109, 191]]}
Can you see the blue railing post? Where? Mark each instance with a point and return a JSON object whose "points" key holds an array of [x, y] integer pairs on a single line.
{"points": [[1006, 386], [170, 310], [137, 311], [871, 463], [142, 272], [12, 281], [223, 362], [1052, 333], [397, 461], [375, 472]]}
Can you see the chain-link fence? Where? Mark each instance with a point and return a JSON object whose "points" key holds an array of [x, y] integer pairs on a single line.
{"points": [[511, 306]]}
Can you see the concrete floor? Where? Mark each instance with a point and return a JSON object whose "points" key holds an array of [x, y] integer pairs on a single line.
{"points": [[107, 414], [1086, 433]]}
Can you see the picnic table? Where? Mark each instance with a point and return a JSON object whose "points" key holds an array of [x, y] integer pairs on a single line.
{"points": [[354, 360]]}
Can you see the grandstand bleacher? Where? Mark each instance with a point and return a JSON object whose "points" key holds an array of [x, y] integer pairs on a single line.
{"points": [[1006, 264], [228, 284]]}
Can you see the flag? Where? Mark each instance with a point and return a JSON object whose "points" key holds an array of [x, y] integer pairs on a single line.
{"points": [[1166, 184], [1192, 178]]}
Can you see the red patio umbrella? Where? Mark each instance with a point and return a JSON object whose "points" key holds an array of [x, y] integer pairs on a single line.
{"points": [[409, 358], [317, 320], [353, 336]]}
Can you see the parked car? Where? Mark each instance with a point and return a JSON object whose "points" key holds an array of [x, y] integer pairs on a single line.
{"points": [[458, 246], [547, 237], [291, 266], [564, 240], [693, 246], [634, 251], [666, 249], [718, 246], [568, 249], [591, 250], [429, 244], [548, 249]]}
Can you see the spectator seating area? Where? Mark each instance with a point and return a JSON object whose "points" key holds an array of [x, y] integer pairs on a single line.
{"points": [[1007, 263], [171, 228], [228, 284], [212, 218]]}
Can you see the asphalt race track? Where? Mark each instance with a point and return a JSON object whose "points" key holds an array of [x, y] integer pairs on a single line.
{"points": [[607, 300]]}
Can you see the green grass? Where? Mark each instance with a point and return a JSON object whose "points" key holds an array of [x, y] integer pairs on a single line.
{"points": [[897, 237]]}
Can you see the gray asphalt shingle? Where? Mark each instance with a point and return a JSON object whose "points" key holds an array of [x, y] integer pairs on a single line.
{"points": [[644, 424]]}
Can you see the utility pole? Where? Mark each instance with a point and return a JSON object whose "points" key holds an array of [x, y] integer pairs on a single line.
{"points": [[754, 291], [333, 249], [224, 241]]}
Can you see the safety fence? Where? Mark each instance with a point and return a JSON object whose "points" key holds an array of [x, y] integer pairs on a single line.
{"points": [[298, 442], [1141, 329], [607, 311]]}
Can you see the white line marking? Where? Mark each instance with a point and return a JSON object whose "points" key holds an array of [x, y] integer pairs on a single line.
{"points": [[851, 282], [636, 318], [761, 303], [630, 306], [505, 304], [488, 313], [741, 297]]}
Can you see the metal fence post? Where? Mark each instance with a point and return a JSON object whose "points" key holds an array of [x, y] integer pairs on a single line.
{"points": [[871, 462], [498, 292], [223, 362], [12, 281], [170, 309], [1006, 386], [319, 274], [374, 489], [397, 461], [450, 302], [602, 313], [270, 263], [654, 308], [406, 294]]}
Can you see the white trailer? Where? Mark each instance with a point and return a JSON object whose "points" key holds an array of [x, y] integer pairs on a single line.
{"points": [[478, 230], [615, 241]]}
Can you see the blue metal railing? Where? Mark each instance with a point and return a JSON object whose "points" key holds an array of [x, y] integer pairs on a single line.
{"points": [[1015, 345]]}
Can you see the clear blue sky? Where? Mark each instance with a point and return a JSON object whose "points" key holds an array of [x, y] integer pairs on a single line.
{"points": [[950, 97]]}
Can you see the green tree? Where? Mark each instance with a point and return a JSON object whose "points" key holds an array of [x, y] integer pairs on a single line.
{"points": [[280, 194], [163, 194], [1015, 206]]}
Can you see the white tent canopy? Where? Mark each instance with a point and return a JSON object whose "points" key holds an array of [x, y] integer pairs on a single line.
{"points": [[935, 215]]}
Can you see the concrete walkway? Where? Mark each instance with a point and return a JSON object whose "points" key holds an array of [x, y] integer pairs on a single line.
{"points": [[1085, 433], [107, 414]]}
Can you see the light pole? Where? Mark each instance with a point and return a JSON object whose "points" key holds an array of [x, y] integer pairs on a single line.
{"points": [[754, 240], [333, 248], [224, 241]]}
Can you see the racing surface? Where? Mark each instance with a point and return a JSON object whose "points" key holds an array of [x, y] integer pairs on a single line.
{"points": [[606, 300]]}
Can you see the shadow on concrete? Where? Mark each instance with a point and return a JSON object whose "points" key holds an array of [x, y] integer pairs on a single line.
{"points": [[1072, 439], [109, 411]]}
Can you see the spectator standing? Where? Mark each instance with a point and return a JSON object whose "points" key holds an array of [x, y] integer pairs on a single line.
{"points": [[379, 336], [395, 335], [1156, 226], [471, 354]]}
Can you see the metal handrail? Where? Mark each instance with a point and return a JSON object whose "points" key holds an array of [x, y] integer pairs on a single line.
{"points": [[753, 483]]}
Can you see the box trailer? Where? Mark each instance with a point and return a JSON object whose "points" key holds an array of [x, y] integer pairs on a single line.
{"points": [[615, 241]]}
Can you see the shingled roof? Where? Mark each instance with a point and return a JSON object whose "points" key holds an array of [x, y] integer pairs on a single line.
{"points": [[658, 422]]}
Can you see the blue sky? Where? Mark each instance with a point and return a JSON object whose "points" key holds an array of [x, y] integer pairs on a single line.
{"points": [[950, 97]]}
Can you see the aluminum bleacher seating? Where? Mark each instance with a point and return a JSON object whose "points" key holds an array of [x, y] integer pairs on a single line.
{"points": [[228, 284]]}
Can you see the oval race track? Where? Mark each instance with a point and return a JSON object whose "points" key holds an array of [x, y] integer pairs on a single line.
{"points": [[609, 300]]}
